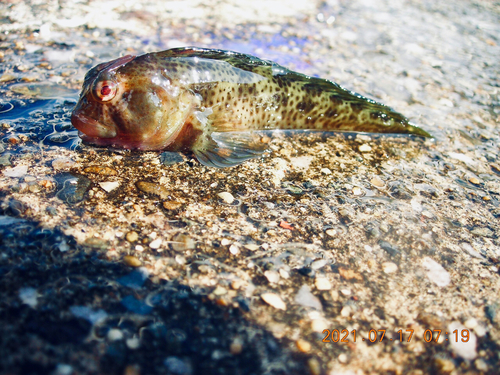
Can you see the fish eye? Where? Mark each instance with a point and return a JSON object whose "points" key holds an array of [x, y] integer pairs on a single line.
{"points": [[105, 90]]}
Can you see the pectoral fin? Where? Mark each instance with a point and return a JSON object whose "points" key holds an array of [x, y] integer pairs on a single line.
{"points": [[228, 149]]}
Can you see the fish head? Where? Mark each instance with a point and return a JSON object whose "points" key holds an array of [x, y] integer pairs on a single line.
{"points": [[128, 103]]}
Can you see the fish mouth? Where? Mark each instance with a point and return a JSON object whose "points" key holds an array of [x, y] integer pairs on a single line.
{"points": [[90, 127]]}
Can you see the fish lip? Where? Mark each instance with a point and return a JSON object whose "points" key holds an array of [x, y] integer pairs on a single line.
{"points": [[90, 127]]}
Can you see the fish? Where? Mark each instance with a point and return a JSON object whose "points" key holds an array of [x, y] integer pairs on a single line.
{"points": [[216, 104]]}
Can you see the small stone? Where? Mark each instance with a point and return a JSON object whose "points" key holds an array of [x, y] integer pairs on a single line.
{"points": [[234, 249], [5, 160], [331, 232], [109, 186], [274, 300], [133, 343], [305, 298], [236, 346], [183, 242], [319, 325], [389, 267], [481, 365], [314, 366], [63, 163], [346, 292], [483, 232], [435, 272], [495, 167], [357, 190], [251, 247], [114, 334], [303, 345], [474, 180], [101, 170], [153, 189], [350, 274], [220, 291], [284, 273], [342, 358], [132, 236], [170, 158], [132, 261], [326, 171], [272, 276], [18, 171], [225, 242], [427, 214], [322, 283], [377, 182], [318, 264], [155, 244], [171, 205], [365, 148], [139, 248], [470, 323], [226, 197]]}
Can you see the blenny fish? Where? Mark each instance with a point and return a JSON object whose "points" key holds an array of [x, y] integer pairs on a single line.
{"points": [[216, 104]]}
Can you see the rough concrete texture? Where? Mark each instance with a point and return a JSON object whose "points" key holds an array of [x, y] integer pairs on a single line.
{"points": [[332, 254]]}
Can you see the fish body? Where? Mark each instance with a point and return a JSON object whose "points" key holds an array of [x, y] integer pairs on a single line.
{"points": [[214, 103]]}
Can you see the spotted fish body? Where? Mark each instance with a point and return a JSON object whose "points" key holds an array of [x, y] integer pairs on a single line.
{"points": [[216, 104]]}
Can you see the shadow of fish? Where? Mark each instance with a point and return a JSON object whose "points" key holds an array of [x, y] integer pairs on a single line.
{"points": [[217, 104]]}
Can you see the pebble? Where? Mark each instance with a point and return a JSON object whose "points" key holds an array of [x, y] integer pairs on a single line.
{"points": [[132, 236], [303, 345], [318, 264], [365, 148], [18, 171], [251, 247], [305, 298], [319, 325], [466, 350], [177, 366], [350, 274], [326, 171], [274, 300], [389, 267], [322, 283], [474, 180], [272, 276], [495, 167], [357, 190], [5, 160], [133, 343], [156, 244], [109, 186], [377, 182], [435, 272], [183, 242], [331, 232], [153, 189], [226, 197], [132, 261], [236, 346], [314, 366], [219, 291], [171, 205], [483, 232], [73, 187], [63, 163], [115, 334], [103, 171], [234, 249], [170, 158]]}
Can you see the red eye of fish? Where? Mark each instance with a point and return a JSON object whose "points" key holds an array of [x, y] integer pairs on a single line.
{"points": [[105, 90]]}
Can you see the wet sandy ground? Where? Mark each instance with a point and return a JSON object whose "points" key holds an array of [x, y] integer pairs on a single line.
{"points": [[347, 254]]}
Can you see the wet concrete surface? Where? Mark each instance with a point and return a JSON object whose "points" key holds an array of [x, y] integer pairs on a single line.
{"points": [[339, 254]]}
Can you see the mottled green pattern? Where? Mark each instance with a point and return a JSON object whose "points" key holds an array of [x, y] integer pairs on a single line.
{"points": [[215, 102]]}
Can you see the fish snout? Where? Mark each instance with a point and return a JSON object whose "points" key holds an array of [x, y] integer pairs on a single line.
{"points": [[91, 127]]}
